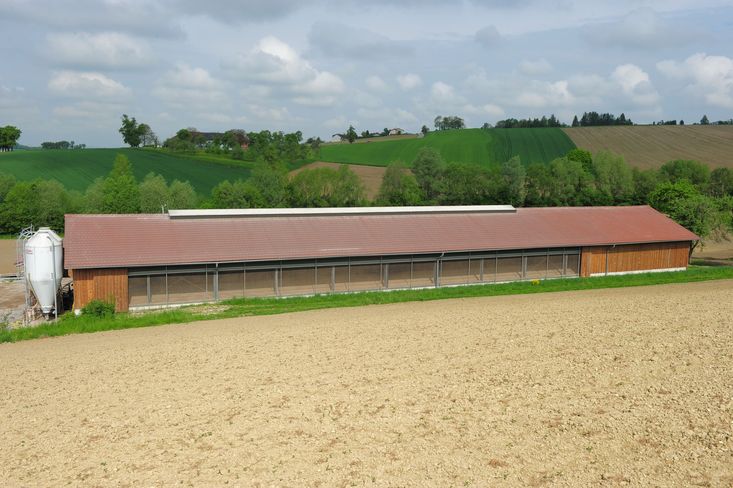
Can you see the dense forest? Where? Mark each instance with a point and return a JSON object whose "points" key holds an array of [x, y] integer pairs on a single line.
{"points": [[687, 191]]}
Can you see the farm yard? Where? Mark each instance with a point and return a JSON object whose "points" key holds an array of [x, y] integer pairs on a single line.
{"points": [[651, 146], [592, 388], [77, 169], [466, 146]]}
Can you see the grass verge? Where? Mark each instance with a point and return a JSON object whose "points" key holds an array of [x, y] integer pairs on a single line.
{"points": [[70, 324]]}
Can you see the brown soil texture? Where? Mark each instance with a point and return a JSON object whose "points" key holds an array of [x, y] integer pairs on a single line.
{"points": [[7, 256], [651, 146], [721, 249], [593, 388], [370, 176]]}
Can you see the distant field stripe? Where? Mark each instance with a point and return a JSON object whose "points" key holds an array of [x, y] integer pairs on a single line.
{"points": [[77, 169]]}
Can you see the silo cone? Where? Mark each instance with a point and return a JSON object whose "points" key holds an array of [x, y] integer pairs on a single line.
{"points": [[43, 258]]}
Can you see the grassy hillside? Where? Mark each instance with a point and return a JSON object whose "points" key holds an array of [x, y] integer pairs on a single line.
{"points": [[467, 145], [77, 169], [651, 146]]}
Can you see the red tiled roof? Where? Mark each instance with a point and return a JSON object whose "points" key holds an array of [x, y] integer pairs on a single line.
{"points": [[98, 241]]}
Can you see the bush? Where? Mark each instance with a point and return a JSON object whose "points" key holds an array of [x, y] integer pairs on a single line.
{"points": [[99, 308]]}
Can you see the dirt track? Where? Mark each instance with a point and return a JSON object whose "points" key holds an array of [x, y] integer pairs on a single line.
{"points": [[595, 388]]}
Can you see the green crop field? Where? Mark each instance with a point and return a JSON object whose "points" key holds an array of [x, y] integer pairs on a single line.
{"points": [[77, 169], [531, 145], [466, 145]]}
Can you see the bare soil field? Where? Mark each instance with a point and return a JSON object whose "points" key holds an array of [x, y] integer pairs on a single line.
{"points": [[370, 176], [594, 388], [652, 146], [7, 256]]}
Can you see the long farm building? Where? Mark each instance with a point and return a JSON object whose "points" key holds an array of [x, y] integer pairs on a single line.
{"points": [[193, 256]]}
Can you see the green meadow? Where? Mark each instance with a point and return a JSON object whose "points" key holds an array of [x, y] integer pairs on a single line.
{"points": [[77, 169], [466, 145]]}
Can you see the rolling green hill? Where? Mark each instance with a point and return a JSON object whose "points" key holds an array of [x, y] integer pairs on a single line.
{"points": [[77, 169], [466, 145]]}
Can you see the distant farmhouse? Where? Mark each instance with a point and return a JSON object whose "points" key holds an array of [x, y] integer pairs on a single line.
{"points": [[396, 131]]}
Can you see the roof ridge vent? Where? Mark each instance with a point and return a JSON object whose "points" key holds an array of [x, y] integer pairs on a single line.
{"points": [[335, 211]]}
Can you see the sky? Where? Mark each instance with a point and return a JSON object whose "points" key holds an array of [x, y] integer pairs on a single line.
{"points": [[71, 68]]}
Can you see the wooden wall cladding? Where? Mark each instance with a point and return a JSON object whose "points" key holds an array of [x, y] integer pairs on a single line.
{"points": [[102, 284], [634, 257]]}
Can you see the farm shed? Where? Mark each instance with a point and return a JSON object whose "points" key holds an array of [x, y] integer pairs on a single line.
{"points": [[189, 256]]}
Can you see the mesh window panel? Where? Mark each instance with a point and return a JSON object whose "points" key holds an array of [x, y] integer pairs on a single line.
{"points": [[366, 277], [298, 281], [489, 270], [573, 267], [509, 269], [188, 287], [341, 282], [157, 290], [259, 283], [323, 279], [536, 267], [554, 268], [454, 273], [474, 271], [423, 274], [137, 290], [399, 275], [231, 284]]}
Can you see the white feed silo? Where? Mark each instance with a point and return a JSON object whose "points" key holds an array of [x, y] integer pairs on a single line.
{"points": [[44, 267]]}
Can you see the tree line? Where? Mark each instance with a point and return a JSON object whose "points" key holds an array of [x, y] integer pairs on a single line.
{"points": [[62, 145], [687, 191], [544, 121], [9, 136]]}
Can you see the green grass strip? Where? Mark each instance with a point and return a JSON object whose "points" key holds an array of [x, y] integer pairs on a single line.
{"points": [[70, 324]]}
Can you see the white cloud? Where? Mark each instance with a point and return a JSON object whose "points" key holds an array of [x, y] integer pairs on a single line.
{"points": [[76, 84], [535, 67], [488, 36], [642, 28], [101, 50], [275, 65], [709, 77], [376, 83], [186, 87], [443, 94], [542, 94], [345, 41], [409, 81], [635, 84], [493, 110]]}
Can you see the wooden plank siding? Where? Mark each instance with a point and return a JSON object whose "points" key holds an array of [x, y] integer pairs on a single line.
{"points": [[108, 284], [633, 257]]}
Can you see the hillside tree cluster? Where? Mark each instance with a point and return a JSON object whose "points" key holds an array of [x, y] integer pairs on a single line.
{"points": [[449, 122], [9, 136]]}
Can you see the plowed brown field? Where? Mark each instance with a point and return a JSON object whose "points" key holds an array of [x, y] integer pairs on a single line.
{"points": [[652, 146], [593, 388]]}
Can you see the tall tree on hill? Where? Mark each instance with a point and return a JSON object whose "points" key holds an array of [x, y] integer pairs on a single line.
{"points": [[704, 120], [398, 187], [9, 136], [575, 121], [130, 131], [514, 177], [120, 192], [351, 134], [428, 168]]}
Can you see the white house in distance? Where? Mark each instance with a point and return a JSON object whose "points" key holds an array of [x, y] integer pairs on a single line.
{"points": [[396, 131]]}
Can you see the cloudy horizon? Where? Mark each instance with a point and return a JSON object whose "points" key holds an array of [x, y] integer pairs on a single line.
{"points": [[72, 70]]}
